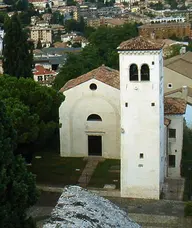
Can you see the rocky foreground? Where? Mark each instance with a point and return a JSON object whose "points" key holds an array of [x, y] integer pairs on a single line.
{"points": [[79, 208]]}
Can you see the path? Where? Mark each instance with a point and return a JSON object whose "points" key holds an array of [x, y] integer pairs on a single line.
{"points": [[90, 167]]}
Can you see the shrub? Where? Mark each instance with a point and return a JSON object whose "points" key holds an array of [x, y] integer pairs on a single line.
{"points": [[188, 209]]}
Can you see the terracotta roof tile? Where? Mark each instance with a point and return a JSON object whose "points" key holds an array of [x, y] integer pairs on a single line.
{"points": [[110, 77], [40, 70], [174, 106], [140, 43], [103, 73]]}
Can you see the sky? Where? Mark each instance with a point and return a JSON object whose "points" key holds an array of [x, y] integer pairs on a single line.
{"points": [[188, 116]]}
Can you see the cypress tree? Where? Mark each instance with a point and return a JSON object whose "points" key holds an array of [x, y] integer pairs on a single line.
{"points": [[17, 56], [39, 44], [17, 186]]}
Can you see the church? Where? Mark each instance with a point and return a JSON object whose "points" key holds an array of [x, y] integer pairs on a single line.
{"points": [[125, 115]]}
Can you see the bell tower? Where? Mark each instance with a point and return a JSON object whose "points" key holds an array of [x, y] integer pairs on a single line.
{"points": [[142, 118]]}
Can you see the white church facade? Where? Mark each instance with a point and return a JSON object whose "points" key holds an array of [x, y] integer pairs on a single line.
{"points": [[124, 115]]}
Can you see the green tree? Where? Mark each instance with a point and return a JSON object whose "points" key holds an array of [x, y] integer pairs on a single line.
{"points": [[2, 16], [57, 18], [73, 25], [34, 111], [173, 4], [76, 45], [107, 40], [71, 3], [101, 50], [174, 50], [17, 186], [47, 8], [88, 31], [57, 37], [21, 5], [17, 58], [71, 69], [157, 6], [39, 44], [78, 64]]}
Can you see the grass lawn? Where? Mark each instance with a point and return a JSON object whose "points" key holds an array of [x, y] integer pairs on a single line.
{"points": [[53, 170], [105, 173]]}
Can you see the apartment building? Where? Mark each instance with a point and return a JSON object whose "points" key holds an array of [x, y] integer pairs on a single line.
{"points": [[42, 34], [163, 31], [36, 3]]}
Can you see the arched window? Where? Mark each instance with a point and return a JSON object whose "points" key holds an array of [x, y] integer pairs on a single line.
{"points": [[94, 117], [145, 74], [133, 73]]}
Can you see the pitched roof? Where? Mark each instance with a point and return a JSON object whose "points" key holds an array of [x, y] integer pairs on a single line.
{"points": [[181, 64], [174, 106], [111, 77], [179, 90], [40, 70], [103, 73], [140, 43]]}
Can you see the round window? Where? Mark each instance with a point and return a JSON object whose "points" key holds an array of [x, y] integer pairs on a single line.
{"points": [[93, 86]]}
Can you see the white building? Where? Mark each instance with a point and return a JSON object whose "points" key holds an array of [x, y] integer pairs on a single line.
{"points": [[91, 117], [43, 75], [92, 123], [142, 112], [168, 19]]}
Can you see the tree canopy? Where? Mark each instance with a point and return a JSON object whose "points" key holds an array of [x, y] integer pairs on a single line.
{"points": [[101, 50], [33, 109], [17, 56], [73, 25], [17, 5], [17, 186]]}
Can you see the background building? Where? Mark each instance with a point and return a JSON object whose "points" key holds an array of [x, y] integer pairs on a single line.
{"points": [[166, 30], [42, 34]]}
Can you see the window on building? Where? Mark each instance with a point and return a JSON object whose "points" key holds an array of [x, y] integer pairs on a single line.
{"points": [[145, 73], [171, 160], [172, 133], [141, 155], [94, 117], [93, 86], [169, 85], [40, 78], [133, 73]]}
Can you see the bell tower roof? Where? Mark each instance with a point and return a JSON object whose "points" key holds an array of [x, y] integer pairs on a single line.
{"points": [[140, 43]]}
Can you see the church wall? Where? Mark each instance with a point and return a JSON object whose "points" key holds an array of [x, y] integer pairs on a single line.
{"points": [[175, 145], [79, 103], [143, 128], [177, 80]]}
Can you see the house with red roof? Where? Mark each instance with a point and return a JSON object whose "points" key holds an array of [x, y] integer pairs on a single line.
{"points": [[43, 75]]}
